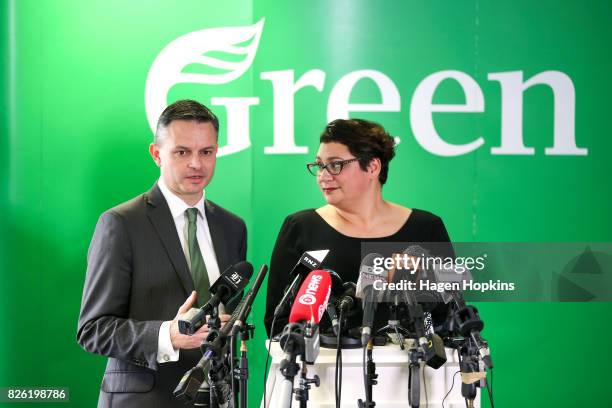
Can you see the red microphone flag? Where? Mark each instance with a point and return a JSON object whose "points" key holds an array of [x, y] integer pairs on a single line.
{"points": [[312, 298]]}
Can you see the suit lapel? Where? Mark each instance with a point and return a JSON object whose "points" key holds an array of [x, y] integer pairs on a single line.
{"points": [[161, 218], [217, 234]]}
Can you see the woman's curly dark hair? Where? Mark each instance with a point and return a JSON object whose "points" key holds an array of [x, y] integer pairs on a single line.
{"points": [[365, 140]]}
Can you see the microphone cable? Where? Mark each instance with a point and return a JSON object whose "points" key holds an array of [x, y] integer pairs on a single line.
{"points": [[267, 362], [232, 352], [365, 375], [338, 376], [451, 388], [425, 388], [490, 389]]}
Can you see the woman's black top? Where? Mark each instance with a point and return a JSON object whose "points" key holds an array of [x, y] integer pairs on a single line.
{"points": [[307, 231]]}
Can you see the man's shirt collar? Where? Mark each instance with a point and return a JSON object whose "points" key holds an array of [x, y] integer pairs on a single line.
{"points": [[177, 205]]}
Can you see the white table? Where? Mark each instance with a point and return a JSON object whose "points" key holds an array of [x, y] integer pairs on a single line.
{"points": [[391, 390]]}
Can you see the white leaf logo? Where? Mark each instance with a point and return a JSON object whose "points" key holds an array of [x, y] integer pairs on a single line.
{"points": [[200, 49]]}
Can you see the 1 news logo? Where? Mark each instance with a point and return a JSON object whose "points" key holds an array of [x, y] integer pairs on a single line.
{"points": [[309, 298]]}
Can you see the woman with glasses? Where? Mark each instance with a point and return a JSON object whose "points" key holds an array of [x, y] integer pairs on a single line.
{"points": [[351, 167]]}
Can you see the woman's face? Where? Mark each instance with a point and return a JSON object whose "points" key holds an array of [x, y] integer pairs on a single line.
{"points": [[350, 184]]}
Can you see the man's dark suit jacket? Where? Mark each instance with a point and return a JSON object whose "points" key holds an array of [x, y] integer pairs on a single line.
{"points": [[137, 277]]}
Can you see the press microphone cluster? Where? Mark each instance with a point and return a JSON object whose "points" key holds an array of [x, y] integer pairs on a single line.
{"points": [[463, 319], [212, 348], [216, 359], [462, 328]]}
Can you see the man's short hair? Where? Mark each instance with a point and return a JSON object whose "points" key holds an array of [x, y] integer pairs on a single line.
{"points": [[184, 109]]}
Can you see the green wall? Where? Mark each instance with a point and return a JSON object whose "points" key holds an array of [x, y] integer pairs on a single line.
{"points": [[75, 135]]}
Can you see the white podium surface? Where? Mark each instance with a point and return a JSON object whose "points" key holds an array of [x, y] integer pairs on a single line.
{"points": [[391, 390]]}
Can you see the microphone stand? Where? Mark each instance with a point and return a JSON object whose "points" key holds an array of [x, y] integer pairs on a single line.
{"points": [[468, 363], [463, 329], [293, 343], [370, 379], [215, 390], [242, 372], [220, 390], [471, 349], [288, 368], [394, 326], [204, 397], [301, 393], [416, 353], [414, 380], [415, 317]]}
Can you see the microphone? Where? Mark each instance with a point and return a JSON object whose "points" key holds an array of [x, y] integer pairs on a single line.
{"points": [[301, 335], [231, 282], [366, 292], [245, 310], [345, 302], [309, 261], [312, 298], [337, 287], [337, 290]]}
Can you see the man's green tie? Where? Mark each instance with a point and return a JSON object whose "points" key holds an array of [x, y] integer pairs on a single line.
{"points": [[198, 267]]}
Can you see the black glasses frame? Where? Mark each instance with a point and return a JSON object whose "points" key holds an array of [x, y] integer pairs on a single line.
{"points": [[316, 168]]}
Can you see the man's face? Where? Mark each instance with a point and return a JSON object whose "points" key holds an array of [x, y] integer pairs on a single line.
{"points": [[186, 158]]}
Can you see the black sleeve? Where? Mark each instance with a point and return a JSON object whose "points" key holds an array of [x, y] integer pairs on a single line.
{"points": [[440, 235], [284, 257]]}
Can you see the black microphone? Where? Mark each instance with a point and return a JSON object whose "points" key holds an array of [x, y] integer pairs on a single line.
{"points": [[231, 282], [366, 292], [337, 283], [245, 310], [347, 300], [336, 290], [343, 303], [309, 261]]}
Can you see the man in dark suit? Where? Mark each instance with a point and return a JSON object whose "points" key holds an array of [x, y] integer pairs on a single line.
{"points": [[153, 258]]}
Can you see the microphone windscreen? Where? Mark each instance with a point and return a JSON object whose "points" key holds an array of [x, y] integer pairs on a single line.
{"points": [[337, 287], [368, 275], [311, 300], [235, 278]]}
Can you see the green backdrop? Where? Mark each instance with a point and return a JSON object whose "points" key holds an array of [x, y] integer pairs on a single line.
{"points": [[439, 75]]}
